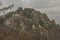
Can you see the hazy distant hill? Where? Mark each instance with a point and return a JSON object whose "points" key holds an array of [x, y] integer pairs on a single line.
{"points": [[28, 24]]}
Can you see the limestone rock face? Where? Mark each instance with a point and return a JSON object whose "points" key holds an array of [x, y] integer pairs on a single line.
{"points": [[28, 24]]}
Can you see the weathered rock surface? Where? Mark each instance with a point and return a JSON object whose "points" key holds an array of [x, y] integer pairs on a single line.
{"points": [[28, 24]]}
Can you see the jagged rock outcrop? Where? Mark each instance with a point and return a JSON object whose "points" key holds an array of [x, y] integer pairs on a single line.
{"points": [[28, 24]]}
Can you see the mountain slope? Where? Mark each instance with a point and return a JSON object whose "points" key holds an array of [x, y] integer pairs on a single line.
{"points": [[28, 24]]}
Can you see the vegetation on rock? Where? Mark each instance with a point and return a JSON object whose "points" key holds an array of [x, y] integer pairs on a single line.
{"points": [[28, 24]]}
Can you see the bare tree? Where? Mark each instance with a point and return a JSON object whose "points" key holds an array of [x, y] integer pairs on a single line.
{"points": [[6, 8]]}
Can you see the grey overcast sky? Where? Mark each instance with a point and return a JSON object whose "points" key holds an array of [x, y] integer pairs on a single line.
{"points": [[50, 7]]}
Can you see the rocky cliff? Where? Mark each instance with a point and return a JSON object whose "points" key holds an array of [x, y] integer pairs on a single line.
{"points": [[28, 24]]}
